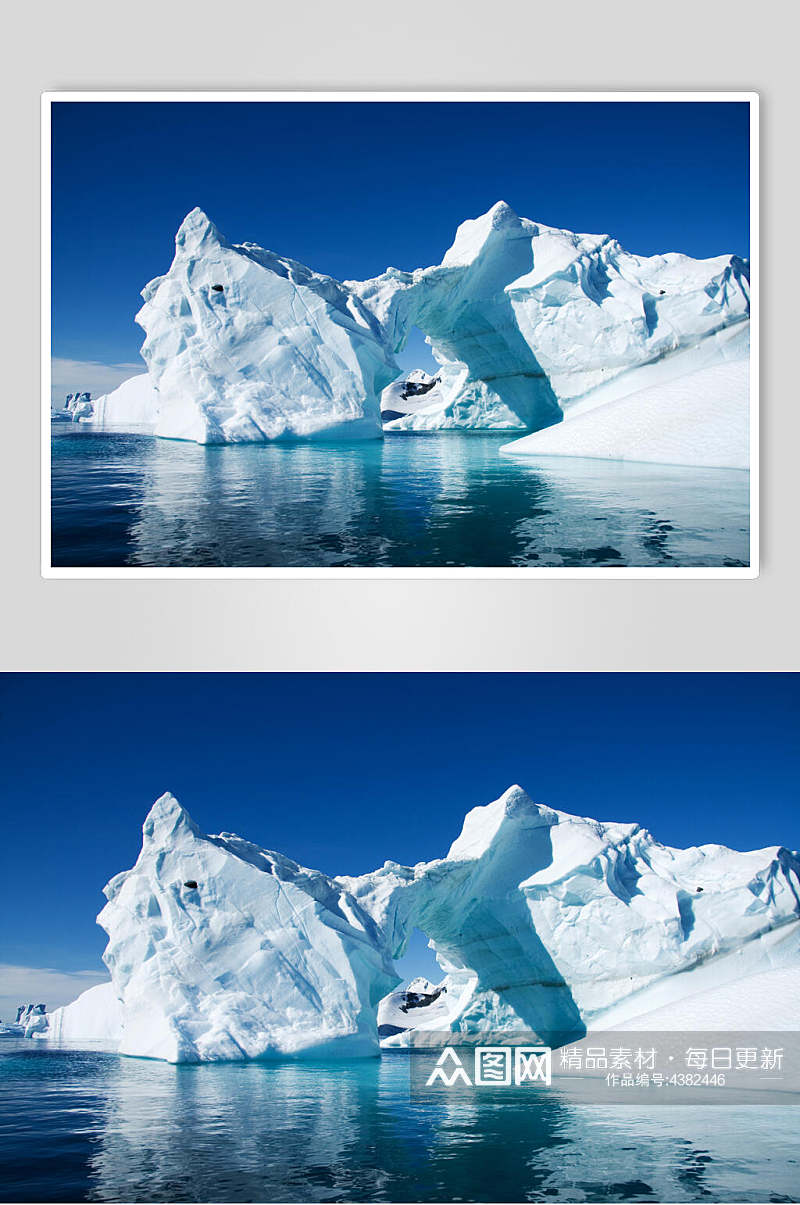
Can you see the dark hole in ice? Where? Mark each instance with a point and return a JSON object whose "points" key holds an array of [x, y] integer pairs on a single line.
{"points": [[191, 884], [217, 288]]}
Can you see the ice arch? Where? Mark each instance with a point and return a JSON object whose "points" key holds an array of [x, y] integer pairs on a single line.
{"points": [[246, 345], [472, 907], [490, 374], [527, 318]]}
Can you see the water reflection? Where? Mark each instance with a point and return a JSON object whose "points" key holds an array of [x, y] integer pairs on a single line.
{"points": [[351, 1133], [89, 1126], [425, 500]]}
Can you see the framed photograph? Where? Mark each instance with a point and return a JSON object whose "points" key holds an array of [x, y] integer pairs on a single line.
{"points": [[367, 334]]}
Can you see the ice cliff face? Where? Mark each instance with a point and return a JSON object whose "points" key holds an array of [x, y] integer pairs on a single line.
{"points": [[543, 922], [133, 404], [246, 345]]}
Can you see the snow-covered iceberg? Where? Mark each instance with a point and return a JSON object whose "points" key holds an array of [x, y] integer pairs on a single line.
{"points": [[542, 922], [78, 405], [132, 406], [524, 319]]}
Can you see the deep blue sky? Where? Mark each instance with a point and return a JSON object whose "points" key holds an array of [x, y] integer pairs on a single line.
{"points": [[351, 188], [342, 771]]}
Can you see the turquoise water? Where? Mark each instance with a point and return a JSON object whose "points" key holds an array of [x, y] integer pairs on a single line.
{"points": [[408, 500], [79, 1126]]}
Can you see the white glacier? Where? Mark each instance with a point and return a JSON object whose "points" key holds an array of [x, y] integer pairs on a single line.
{"points": [[543, 922], [527, 322]]}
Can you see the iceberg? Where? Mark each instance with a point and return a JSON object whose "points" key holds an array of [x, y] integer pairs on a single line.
{"points": [[543, 923], [409, 395], [526, 321], [132, 406], [221, 950], [78, 405], [244, 345], [403, 1010]]}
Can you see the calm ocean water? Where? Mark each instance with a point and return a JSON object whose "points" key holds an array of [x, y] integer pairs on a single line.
{"points": [[78, 1126], [424, 500]]}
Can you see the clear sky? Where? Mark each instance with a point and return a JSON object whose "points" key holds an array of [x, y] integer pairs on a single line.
{"points": [[350, 189], [344, 771]]}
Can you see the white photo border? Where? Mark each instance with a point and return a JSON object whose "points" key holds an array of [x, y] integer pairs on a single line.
{"points": [[351, 573]]}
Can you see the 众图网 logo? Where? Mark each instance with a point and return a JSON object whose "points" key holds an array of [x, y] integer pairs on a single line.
{"points": [[496, 1066]]}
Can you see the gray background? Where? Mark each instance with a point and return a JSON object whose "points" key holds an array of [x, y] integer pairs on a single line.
{"points": [[397, 624]]}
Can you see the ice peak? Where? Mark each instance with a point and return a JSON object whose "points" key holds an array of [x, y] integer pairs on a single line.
{"points": [[473, 235], [483, 824], [501, 212], [166, 819], [196, 231]]}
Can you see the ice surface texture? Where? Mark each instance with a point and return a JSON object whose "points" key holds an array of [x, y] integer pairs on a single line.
{"points": [[524, 319], [543, 922]]}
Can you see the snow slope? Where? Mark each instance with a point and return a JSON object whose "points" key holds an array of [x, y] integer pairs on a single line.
{"points": [[767, 999], [701, 418], [243, 345], [544, 923]]}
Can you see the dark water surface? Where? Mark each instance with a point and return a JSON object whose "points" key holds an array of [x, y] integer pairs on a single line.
{"points": [[78, 1126], [408, 500]]}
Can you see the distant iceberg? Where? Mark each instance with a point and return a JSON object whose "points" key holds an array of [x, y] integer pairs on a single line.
{"points": [[529, 324], [542, 922]]}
